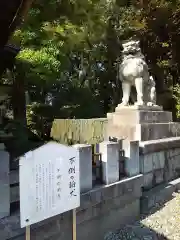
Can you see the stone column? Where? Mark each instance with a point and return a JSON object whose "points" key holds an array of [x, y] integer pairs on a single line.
{"points": [[4, 183], [132, 166], [85, 161], [110, 161]]}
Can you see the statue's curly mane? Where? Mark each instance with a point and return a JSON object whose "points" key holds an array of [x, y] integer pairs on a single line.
{"points": [[131, 49]]}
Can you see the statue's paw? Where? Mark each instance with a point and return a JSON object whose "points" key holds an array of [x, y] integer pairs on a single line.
{"points": [[123, 104], [150, 104], [140, 103]]}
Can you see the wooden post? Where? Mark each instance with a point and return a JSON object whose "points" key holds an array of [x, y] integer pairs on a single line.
{"points": [[28, 233], [74, 224]]}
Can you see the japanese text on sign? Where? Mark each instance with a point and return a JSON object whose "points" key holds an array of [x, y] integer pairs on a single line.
{"points": [[72, 172], [51, 173]]}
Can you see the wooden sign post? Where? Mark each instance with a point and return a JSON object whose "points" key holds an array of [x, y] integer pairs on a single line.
{"points": [[49, 184], [74, 224], [28, 233]]}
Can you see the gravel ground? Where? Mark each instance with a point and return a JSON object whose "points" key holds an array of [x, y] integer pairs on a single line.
{"points": [[162, 224]]}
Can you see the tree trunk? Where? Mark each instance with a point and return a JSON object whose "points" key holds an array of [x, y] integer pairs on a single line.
{"points": [[19, 100]]}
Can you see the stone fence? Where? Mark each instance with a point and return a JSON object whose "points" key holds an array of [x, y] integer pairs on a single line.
{"points": [[116, 201], [102, 209], [110, 162], [131, 183], [109, 168]]}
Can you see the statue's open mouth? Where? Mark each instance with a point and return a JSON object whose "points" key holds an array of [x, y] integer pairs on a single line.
{"points": [[130, 52]]}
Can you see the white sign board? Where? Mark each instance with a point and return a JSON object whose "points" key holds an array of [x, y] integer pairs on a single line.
{"points": [[49, 182]]}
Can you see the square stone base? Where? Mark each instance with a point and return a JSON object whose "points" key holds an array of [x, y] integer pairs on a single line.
{"points": [[144, 107], [141, 123], [143, 132]]}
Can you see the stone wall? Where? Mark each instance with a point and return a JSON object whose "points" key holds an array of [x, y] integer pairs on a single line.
{"points": [[102, 209], [159, 161], [106, 207], [108, 164]]}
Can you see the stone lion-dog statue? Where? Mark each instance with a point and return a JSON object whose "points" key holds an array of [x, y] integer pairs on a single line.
{"points": [[133, 71]]}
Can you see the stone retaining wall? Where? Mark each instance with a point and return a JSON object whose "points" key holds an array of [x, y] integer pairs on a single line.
{"points": [[109, 161], [102, 209], [159, 161]]}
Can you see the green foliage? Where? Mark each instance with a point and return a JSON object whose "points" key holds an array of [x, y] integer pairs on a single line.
{"points": [[70, 49], [22, 140], [39, 117], [176, 95]]}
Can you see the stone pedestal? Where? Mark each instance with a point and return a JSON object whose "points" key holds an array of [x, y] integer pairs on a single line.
{"points": [[158, 137], [141, 123], [147, 125]]}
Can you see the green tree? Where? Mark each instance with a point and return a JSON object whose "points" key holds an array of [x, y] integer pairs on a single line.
{"points": [[71, 50]]}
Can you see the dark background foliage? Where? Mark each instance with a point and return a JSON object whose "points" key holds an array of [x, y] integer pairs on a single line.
{"points": [[70, 49]]}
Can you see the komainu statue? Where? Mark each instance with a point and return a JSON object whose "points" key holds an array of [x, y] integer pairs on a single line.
{"points": [[133, 71]]}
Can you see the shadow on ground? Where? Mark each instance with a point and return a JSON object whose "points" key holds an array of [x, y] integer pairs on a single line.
{"points": [[138, 230]]}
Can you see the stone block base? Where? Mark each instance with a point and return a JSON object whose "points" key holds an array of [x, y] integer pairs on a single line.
{"points": [[102, 210], [139, 108], [124, 116], [159, 161], [141, 124], [154, 131], [152, 179], [159, 194], [143, 132]]}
